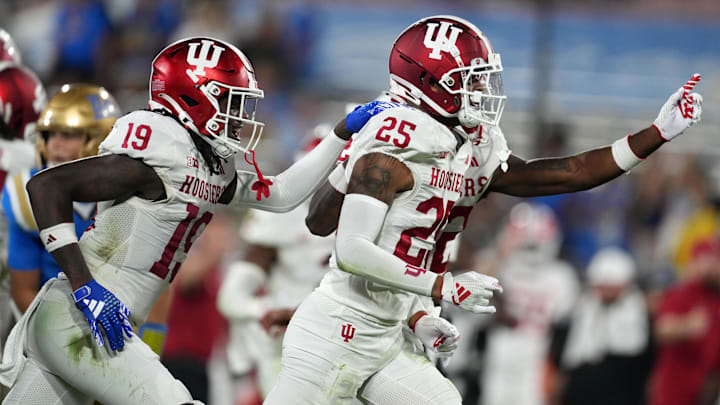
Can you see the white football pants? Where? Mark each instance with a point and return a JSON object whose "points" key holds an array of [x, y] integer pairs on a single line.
{"points": [[65, 366], [333, 355]]}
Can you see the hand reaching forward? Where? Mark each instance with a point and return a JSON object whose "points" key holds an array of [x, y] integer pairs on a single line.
{"points": [[470, 291], [681, 111]]}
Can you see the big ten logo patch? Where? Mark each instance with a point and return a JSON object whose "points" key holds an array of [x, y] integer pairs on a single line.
{"points": [[347, 332]]}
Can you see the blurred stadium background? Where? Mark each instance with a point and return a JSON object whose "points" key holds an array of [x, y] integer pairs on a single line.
{"points": [[578, 74]]}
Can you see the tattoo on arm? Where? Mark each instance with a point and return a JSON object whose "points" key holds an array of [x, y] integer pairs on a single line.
{"points": [[373, 181], [380, 176]]}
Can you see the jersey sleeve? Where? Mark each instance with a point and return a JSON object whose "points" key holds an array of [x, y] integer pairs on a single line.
{"points": [[404, 133], [142, 135]]}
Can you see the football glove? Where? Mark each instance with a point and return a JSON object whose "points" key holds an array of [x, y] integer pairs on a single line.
{"points": [[102, 308], [358, 117], [437, 334], [470, 291], [680, 112]]}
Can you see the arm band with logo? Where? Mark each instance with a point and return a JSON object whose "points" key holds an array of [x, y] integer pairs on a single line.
{"points": [[58, 236], [361, 220], [624, 157]]}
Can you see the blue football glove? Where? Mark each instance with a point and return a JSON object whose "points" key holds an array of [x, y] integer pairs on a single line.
{"points": [[100, 306], [358, 117]]}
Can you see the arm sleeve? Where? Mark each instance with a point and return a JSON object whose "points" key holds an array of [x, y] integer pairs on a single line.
{"points": [[361, 220], [295, 184]]}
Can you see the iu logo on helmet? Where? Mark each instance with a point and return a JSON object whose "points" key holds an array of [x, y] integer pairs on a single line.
{"points": [[442, 42], [201, 61], [348, 332]]}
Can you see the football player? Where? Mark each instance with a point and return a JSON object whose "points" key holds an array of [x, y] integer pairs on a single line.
{"points": [[284, 261], [159, 175], [22, 97], [539, 291], [71, 126], [392, 244]]}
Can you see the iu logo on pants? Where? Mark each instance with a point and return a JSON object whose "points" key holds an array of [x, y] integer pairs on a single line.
{"points": [[348, 332]]}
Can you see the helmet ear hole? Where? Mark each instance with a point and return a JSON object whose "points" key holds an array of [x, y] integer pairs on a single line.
{"points": [[191, 102]]}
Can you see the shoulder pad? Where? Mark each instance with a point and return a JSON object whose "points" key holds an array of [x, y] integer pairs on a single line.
{"points": [[405, 133], [146, 135]]}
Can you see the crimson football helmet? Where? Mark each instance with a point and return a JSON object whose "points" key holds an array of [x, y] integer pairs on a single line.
{"points": [[210, 86], [447, 65], [532, 229], [22, 98], [8, 50]]}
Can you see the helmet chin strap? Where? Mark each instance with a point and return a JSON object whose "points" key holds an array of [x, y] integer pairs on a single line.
{"points": [[218, 148]]}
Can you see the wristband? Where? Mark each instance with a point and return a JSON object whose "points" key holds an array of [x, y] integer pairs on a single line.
{"points": [[337, 179], [58, 236], [412, 327], [624, 157]]}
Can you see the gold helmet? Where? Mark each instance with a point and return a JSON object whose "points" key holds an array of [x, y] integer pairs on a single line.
{"points": [[78, 108]]}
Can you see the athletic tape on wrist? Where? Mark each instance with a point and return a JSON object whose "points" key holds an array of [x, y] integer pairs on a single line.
{"points": [[337, 179], [58, 236], [624, 157]]}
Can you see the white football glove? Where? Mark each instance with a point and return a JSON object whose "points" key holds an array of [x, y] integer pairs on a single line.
{"points": [[470, 291], [680, 112], [438, 335]]}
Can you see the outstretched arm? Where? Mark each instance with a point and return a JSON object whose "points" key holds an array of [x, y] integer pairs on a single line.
{"points": [[594, 167], [291, 187], [287, 190]]}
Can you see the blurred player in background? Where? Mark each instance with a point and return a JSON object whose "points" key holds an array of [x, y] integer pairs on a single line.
{"points": [[457, 82], [283, 263], [160, 174], [607, 355], [539, 293], [687, 328], [22, 97], [72, 126]]}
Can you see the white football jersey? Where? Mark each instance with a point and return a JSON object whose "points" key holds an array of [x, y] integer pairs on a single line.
{"points": [[301, 256], [489, 151], [438, 161], [136, 246]]}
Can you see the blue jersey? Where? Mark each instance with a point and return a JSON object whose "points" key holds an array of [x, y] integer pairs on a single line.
{"points": [[26, 251]]}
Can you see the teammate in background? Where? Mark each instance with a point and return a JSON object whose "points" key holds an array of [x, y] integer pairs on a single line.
{"points": [[285, 262], [444, 67], [72, 126], [539, 293], [160, 174], [22, 97]]}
